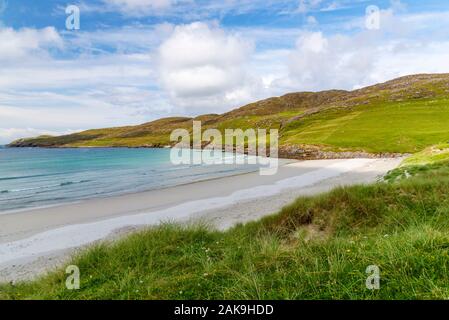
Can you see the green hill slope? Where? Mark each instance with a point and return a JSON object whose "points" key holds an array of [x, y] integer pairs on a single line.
{"points": [[400, 116]]}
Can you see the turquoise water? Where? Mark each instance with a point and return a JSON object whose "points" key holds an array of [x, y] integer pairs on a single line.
{"points": [[34, 177]]}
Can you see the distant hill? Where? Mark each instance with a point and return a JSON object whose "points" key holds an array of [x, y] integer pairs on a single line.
{"points": [[404, 115]]}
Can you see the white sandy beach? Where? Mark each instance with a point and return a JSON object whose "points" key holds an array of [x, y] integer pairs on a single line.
{"points": [[34, 241]]}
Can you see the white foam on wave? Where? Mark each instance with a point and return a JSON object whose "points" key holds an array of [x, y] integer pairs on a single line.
{"points": [[82, 234]]}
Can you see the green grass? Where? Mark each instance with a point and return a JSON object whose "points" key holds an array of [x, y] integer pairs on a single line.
{"points": [[402, 127], [434, 154], [316, 248], [430, 159]]}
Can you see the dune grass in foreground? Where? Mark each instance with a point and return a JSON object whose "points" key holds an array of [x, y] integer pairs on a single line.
{"points": [[316, 248]]}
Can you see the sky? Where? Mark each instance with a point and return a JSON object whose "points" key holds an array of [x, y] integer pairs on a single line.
{"points": [[133, 61]]}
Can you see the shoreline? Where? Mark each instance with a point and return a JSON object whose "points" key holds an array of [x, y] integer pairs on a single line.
{"points": [[286, 152], [125, 193], [27, 238], [282, 162], [139, 198], [204, 177]]}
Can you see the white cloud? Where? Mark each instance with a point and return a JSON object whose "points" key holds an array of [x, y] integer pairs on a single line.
{"points": [[184, 10], [9, 134], [311, 20], [77, 73], [138, 7], [128, 39], [333, 6], [19, 44], [107, 107], [49, 94], [348, 61], [307, 5], [202, 66], [321, 62]]}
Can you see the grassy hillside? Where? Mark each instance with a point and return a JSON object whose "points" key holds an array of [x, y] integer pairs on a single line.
{"points": [[316, 248], [431, 155], [400, 116], [403, 127]]}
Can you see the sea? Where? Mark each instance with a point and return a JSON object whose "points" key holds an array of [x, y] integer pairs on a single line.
{"points": [[39, 177]]}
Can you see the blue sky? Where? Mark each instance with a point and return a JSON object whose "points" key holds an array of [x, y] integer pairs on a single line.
{"points": [[133, 61]]}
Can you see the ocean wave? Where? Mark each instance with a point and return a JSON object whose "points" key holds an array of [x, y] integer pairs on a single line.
{"points": [[62, 184], [29, 176]]}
